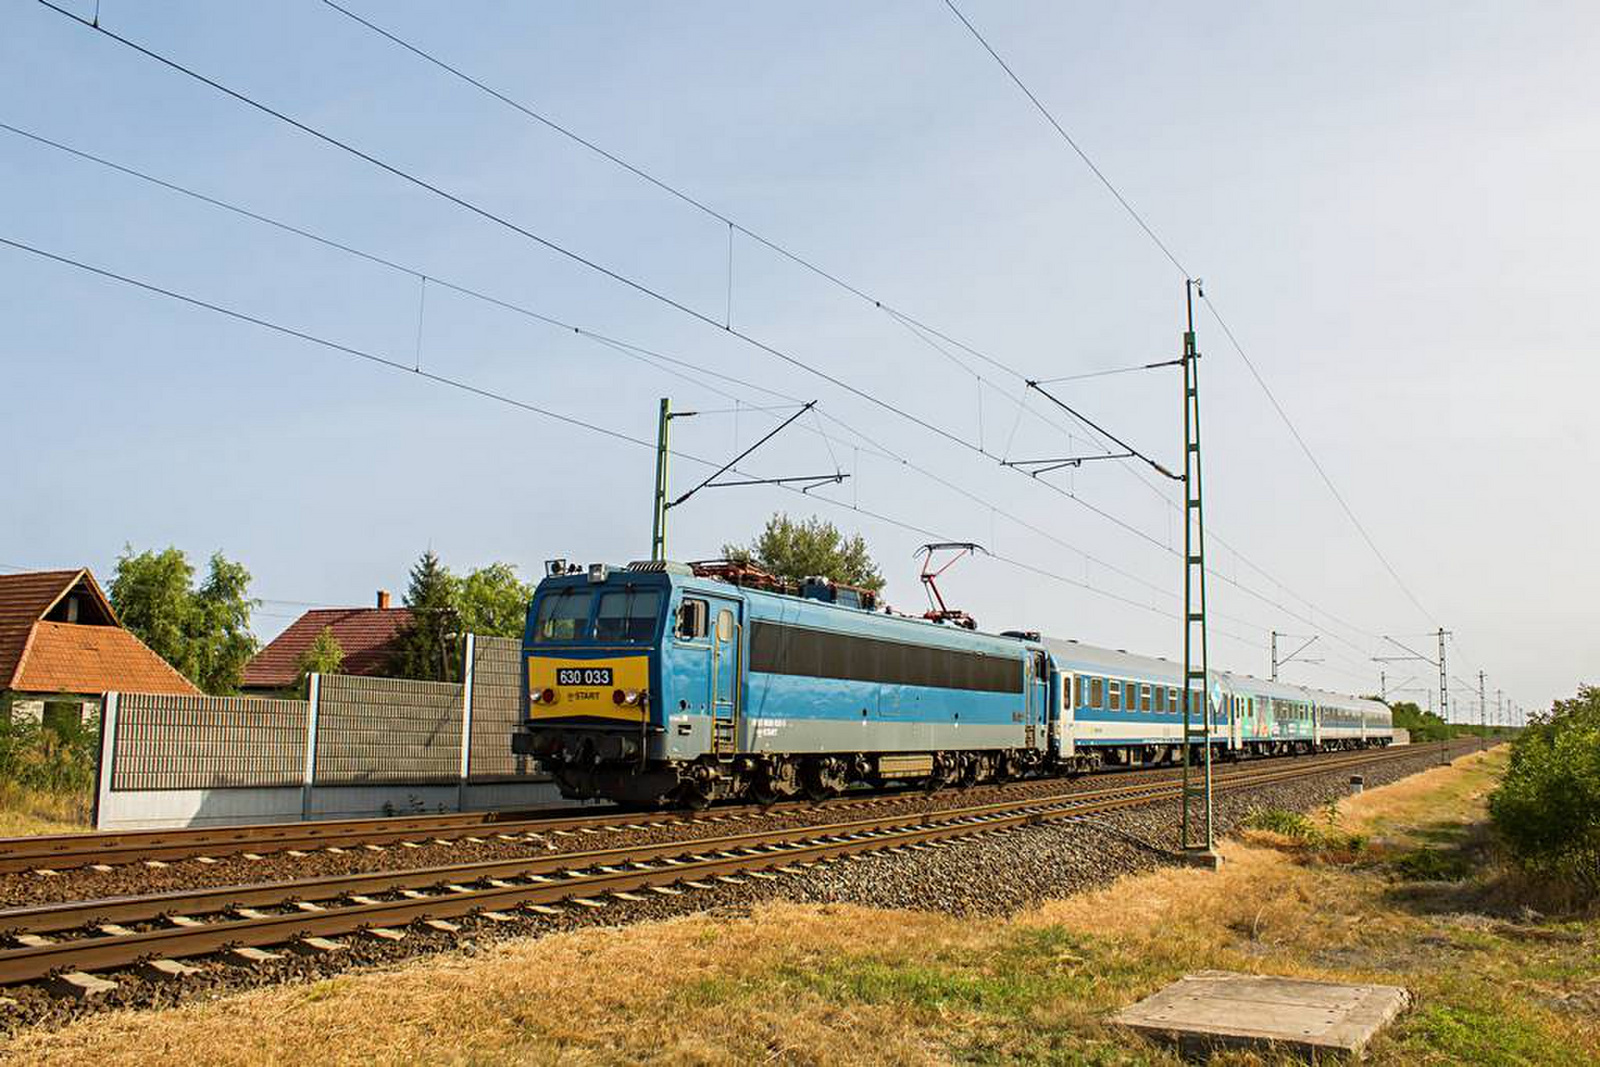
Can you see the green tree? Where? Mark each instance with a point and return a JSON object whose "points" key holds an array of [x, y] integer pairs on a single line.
{"points": [[429, 649], [800, 549], [322, 656], [204, 632], [1547, 807], [493, 601], [1423, 725]]}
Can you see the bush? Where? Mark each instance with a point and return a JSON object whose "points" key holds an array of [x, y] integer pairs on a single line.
{"points": [[1547, 808], [57, 758]]}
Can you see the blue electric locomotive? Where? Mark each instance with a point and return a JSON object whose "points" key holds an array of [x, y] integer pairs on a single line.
{"points": [[652, 684]]}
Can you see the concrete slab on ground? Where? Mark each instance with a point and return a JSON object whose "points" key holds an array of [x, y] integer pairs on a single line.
{"points": [[1213, 1009]]}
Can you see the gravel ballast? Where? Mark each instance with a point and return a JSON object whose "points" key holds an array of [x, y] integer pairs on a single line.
{"points": [[984, 875]]}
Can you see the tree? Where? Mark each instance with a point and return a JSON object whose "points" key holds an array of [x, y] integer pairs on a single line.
{"points": [[800, 549], [322, 656], [1422, 725], [428, 649], [1547, 806], [204, 632], [493, 601]]}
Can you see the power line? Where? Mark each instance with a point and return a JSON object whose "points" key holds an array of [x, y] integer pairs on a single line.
{"points": [[617, 276], [649, 355], [376, 359], [1233, 340], [1316, 463], [919, 328], [1067, 137]]}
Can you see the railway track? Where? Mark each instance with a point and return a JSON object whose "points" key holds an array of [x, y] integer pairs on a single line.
{"points": [[65, 852], [159, 930]]}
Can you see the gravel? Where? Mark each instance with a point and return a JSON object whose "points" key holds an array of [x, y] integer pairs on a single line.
{"points": [[988, 874], [27, 888]]}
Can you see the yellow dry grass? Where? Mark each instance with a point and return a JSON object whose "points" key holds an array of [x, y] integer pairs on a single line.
{"points": [[28, 812], [839, 984]]}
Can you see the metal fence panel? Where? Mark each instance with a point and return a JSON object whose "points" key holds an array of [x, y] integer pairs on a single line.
{"points": [[186, 742], [387, 730], [496, 708]]}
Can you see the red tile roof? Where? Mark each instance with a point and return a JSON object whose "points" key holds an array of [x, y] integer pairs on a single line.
{"points": [[40, 656], [64, 657], [367, 636]]}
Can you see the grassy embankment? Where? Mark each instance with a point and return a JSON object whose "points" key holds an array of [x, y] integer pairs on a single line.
{"points": [[46, 777], [1401, 890], [25, 811]]}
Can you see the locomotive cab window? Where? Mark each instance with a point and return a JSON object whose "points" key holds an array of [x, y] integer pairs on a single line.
{"points": [[563, 616], [627, 615], [694, 619], [724, 626]]}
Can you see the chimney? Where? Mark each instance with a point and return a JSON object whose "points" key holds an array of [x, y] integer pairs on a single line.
{"points": [[383, 599]]}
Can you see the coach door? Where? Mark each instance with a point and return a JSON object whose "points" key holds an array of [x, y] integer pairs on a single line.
{"points": [[1036, 678], [727, 669]]}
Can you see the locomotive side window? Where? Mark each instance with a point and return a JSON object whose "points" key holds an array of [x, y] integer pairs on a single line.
{"points": [[724, 626], [694, 619], [1097, 693], [563, 616]]}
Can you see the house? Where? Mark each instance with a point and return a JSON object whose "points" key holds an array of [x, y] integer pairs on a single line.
{"points": [[367, 636], [62, 649]]}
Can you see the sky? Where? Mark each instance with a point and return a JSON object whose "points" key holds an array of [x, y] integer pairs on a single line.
{"points": [[1391, 206]]}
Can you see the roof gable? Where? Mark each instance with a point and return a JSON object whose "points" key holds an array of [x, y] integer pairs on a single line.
{"points": [[25, 599]]}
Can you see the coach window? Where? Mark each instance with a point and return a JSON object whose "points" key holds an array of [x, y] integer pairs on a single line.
{"points": [[1097, 692], [693, 619], [1116, 695], [1144, 698], [563, 615]]}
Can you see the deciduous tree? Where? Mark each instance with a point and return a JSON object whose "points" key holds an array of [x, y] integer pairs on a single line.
{"points": [[204, 632], [797, 549], [322, 656]]}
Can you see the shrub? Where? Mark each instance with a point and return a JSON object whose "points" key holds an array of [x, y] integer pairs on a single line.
{"points": [[54, 758], [1547, 808]]}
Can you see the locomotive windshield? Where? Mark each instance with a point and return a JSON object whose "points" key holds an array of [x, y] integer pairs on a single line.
{"points": [[608, 614], [563, 615], [627, 615]]}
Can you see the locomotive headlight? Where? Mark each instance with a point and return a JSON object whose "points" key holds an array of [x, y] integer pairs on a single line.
{"points": [[626, 696], [543, 696]]}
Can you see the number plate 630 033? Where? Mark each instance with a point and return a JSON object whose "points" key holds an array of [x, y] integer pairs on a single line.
{"points": [[583, 676]]}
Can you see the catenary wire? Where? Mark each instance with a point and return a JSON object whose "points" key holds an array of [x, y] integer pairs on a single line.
{"points": [[376, 359], [1233, 340], [920, 327], [615, 275]]}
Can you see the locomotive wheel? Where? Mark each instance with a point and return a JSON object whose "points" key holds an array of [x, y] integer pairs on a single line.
{"points": [[692, 797], [823, 778]]}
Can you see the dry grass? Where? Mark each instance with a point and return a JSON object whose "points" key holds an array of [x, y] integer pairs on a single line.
{"points": [[26, 812], [839, 984]]}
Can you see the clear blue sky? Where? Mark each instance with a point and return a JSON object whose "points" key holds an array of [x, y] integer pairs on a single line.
{"points": [[1393, 206]]}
